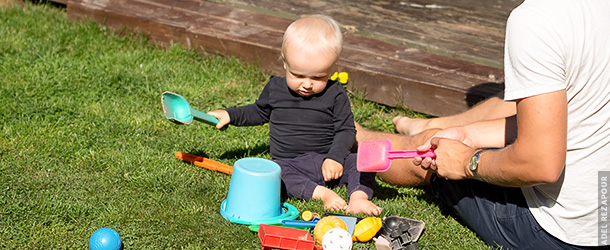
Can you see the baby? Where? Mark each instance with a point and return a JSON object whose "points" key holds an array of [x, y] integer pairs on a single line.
{"points": [[311, 125]]}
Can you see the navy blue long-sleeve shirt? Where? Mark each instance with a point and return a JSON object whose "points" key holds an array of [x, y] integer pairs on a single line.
{"points": [[322, 123]]}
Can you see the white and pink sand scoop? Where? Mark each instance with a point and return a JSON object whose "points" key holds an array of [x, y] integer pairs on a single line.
{"points": [[376, 156]]}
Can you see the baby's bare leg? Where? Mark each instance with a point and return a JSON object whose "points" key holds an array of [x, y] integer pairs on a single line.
{"points": [[331, 199], [359, 203]]}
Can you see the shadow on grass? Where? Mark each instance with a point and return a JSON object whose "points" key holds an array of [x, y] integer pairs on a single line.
{"points": [[236, 153], [388, 192], [239, 153], [428, 196], [383, 192]]}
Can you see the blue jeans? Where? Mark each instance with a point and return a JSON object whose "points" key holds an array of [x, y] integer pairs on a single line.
{"points": [[499, 215]]}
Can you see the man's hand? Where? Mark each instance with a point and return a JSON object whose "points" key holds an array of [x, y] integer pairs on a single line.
{"points": [[451, 161], [453, 149], [455, 133], [331, 170]]}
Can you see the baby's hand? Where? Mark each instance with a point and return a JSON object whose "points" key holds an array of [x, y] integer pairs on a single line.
{"points": [[331, 170], [222, 116]]}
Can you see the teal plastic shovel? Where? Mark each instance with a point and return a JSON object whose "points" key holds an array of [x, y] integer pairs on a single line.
{"points": [[178, 110]]}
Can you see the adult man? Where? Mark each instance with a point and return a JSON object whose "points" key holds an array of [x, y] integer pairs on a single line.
{"points": [[539, 189]]}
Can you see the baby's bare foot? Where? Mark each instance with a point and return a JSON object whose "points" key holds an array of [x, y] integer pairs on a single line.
{"points": [[331, 200], [410, 126], [363, 207], [360, 204]]}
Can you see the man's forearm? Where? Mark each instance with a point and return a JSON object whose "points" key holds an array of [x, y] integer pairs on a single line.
{"points": [[492, 133]]}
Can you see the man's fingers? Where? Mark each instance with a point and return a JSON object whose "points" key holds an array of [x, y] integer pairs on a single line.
{"points": [[434, 141], [424, 147], [417, 160]]}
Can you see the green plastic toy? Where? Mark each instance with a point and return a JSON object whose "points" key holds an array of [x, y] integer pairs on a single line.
{"points": [[178, 110]]}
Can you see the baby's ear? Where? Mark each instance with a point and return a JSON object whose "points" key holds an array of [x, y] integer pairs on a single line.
{"points": [[283, 59]]}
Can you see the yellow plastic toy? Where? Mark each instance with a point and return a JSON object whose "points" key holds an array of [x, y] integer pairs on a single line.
{"points": [[325, 224], [308, 216], [343, 77], [366, 229]]}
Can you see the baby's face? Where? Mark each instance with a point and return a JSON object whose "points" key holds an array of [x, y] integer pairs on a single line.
{"points": [[307, 73]]}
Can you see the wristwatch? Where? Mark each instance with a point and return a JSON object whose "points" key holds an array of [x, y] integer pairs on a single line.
{"points": [[474, 165]]}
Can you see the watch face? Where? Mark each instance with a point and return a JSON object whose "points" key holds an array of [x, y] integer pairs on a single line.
{"points": [[473, 163]]}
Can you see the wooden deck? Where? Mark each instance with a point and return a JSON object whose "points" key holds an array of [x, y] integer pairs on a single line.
{"points": [[436, 58], [471, 30]]}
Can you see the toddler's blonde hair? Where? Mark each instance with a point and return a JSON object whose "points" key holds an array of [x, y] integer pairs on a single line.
{"points": [[314, 32]]}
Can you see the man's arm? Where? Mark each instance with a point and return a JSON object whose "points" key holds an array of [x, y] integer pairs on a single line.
{"points": [[536, 156]]}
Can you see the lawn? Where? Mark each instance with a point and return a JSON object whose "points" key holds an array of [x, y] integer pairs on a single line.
{"points": [[84, 143]]}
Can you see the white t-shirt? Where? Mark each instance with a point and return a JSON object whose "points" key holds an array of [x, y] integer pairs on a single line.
{"points": [[565, 44]]}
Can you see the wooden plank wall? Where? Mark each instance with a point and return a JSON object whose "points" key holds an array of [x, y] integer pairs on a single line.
{"points": [[471, 30], [387, 73]]}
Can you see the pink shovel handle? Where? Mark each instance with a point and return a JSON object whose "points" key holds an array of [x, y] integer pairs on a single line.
{"points": [[410, 154]]}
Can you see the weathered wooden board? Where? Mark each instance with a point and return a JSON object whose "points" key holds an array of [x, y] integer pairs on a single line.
{"points": [[388, 73], [195, 24], [472, 30]]}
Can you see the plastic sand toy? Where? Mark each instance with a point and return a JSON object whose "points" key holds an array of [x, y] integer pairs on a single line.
{"points": [[254, 194], [299, 223], [376, 156], [178, 110], [105, 239], [276, 237], [204, 162], [366, 229], [402, 233], [325, 224], [309, 216], [337, 239]]}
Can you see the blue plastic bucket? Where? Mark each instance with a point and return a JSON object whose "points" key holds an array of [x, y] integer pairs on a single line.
{"points": [[254, 192]]}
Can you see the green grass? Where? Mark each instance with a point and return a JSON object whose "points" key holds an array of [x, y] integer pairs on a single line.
{"points": [[84, 143]]}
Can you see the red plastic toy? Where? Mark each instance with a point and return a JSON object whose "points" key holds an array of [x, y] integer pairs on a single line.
{"points": [[276, 237]]}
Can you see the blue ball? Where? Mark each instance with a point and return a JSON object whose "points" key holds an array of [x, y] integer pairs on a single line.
{"points": [[105, 239]]}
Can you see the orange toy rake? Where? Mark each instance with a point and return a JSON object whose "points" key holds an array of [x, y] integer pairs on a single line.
{"points": [[204, 162]]}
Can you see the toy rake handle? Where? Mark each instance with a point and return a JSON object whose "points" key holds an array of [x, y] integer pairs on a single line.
{"points": [[209, 119], [410, 154], [204, 162]]}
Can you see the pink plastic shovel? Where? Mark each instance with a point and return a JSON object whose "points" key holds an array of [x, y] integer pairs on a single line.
{"points": [[376, 156]]}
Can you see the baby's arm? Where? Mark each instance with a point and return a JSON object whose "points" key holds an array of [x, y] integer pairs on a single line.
{"points": [[254, 114], [331, 169], [344, 131], [222, 116]]}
